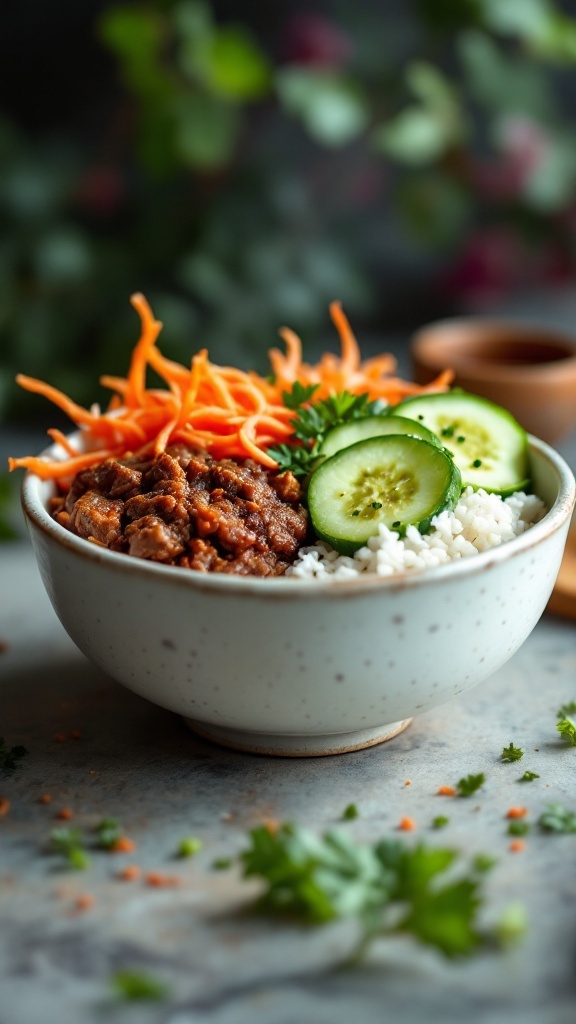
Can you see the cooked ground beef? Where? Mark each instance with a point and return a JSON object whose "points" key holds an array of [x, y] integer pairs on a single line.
{"points": [[183, 508]]}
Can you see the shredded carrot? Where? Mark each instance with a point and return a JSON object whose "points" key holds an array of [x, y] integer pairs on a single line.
{"points": [[65, 814], [446, 791], [407, 824], [4, 806], [123, 845], [159, 880], [130, 873], [408, 782], [517, 846], [218, 409], [85, 901], [517, 812]]}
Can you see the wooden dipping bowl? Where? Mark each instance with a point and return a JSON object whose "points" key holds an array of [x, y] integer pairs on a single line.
{"points": [[528, 369]]}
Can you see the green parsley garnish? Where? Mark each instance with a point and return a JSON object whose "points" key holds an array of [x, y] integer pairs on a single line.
{"points": [[566, 725], [350, 812], [312, 423], [477, 463], [109, 831], [519, 828], [483, 862], [512, 753], [557, 819], [440, 821], [470, 784], [9, 756], [221, 863], [189, 846], [389, 887], [137, 985], [528, 777], [68, 842]]}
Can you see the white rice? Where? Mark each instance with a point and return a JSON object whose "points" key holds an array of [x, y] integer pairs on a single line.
{"points": [[478, 522]]}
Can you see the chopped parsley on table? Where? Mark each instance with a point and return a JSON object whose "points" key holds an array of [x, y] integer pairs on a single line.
{"points": [[389, 887], [512, 753], [528, 776], [137, 985], [557, 818], [69, 843], [350, 812], [470, 784]]}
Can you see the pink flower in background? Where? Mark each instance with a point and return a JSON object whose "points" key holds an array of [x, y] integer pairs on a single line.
{"points": [[100, 190], [522, 145], [493, 263], [315, 41]]}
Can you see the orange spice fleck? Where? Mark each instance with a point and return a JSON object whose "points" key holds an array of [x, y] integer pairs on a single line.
{"points": [[446, 791], [408, 782], [517, 845], [517, 812], [65, 814], [271, 825], [407, 824], [130, 873], [85, 901], [75, 734], [59, 737], [123, 845], [160, 880], [4, 806], [46, 798]]}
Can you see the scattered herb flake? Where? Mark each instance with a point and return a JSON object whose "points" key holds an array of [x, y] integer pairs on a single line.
{"points": [[109, 832], [528, 776], [557, 818], [567, 710], [484, 862], [350, 812], [376, 504], [9, 756], [189, 846], [512, 753], [567, 729], [221, 863], [69, 843], [136, 985], [519, 828], [512, 926], [440, 821], [477, 463], [470, 784]]}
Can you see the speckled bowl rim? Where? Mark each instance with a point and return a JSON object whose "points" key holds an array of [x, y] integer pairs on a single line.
{"points": [[282, 587], [424, 340]]}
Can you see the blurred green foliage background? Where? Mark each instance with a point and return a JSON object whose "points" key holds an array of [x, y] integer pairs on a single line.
{"points": [[244, 164]]}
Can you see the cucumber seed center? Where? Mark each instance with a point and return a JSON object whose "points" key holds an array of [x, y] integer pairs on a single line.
{"points": [[380, 492]]}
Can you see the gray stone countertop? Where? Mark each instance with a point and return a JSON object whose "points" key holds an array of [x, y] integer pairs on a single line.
{"points": [[138, 763]]}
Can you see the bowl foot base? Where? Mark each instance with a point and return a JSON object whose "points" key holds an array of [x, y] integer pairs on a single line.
{"points": [[288, 745]]}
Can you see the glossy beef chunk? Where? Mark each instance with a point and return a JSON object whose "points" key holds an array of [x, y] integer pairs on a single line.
{"points": [[182, 508]]}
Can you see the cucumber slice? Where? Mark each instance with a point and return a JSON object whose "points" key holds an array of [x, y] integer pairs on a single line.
{"points": [[489, 447], [397, 480], [373, 426]]}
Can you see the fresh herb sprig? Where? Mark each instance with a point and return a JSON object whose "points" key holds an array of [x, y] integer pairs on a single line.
{"points": [[557, 818], [512, 753], [137, 986], [389, 887], [69, 843], [470, 784], [312, 423], [9, 756], [566, 724]]}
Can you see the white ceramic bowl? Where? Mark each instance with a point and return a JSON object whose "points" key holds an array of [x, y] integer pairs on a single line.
{"points": [[288, 666]]}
